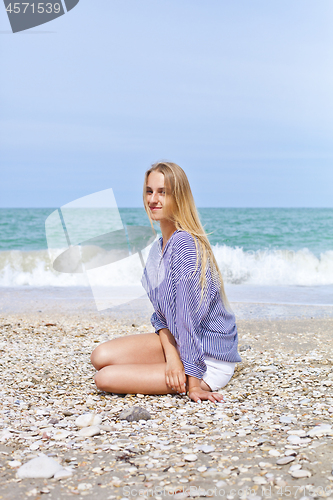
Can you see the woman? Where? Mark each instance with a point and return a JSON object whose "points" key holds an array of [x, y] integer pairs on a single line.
{"points": [[195, 348]]}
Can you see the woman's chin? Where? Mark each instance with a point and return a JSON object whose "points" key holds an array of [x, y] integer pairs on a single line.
{"points": [[155, 216]]}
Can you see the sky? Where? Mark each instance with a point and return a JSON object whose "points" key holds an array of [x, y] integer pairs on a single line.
{"points": [[238, 93]]}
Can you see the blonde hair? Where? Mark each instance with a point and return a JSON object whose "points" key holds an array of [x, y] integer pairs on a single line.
{"points": [[185, 217]]}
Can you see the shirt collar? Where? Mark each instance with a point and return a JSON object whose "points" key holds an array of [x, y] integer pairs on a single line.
{"points": [[167, 243]]}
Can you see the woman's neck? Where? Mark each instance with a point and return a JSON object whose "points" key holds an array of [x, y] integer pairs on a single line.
{"points": [[167, 230]]}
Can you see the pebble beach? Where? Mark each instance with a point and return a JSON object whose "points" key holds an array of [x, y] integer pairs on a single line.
{"points": [[60, 437]]}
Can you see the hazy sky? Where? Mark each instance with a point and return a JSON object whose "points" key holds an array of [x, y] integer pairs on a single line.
{"points": [[238, 93]]}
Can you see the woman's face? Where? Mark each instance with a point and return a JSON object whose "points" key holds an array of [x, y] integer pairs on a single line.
{"points": [[159, 202]]}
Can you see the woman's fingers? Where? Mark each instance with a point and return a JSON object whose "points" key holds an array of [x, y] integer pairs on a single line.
{"points": [[176, 382], [195, 397], [181, 382], [217, 397], [200, 395], [179, 386], [172, 383]]}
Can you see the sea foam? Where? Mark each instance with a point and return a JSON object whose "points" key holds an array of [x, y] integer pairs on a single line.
{"points": [[262, 267]]}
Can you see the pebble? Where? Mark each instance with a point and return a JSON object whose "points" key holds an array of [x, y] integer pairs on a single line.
{"points": [[290, 452], [60, 434], [285, 420], [268, 368], [92, 430], [63, 474], [84, 486], [259, 480], [191, 457], [106, 428], [34, 446], [274, 453], [205, 448], [39, 467], [134, 413], [14, 463], [300, 473], [212, 473], [228, 434], [88, 419], [298, 432], [285, 460], [221, 484], [244, 347], [67, 413], [294, 439], [295, 467], [321, 430], [264, 465]]}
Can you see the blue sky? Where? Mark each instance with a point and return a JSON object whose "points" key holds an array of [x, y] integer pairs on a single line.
{"points": [[239, 94]]}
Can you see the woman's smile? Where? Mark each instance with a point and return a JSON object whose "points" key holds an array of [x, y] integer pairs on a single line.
{"points": [[155, 193]]}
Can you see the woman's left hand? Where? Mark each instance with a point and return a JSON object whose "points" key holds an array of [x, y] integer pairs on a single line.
{"points": [[197, 394]]}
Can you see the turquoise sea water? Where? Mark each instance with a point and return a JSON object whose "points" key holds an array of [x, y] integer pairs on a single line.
{"points": [[251, 229], [266, 246]]}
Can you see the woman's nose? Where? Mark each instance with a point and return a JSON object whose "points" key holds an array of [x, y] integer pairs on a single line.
{"points": [[154, 197]]}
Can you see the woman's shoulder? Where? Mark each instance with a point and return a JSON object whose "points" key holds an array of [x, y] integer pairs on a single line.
{"points": [[183, 239], [184, 253]]}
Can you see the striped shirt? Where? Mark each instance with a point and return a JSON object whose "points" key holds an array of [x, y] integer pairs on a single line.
{"points": [[174, 291]]}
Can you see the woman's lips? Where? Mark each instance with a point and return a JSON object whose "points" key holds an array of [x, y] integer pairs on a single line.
{"points": [[155, 208]]}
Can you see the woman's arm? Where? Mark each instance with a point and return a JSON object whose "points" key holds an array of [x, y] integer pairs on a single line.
{"points": [[174, 373]]}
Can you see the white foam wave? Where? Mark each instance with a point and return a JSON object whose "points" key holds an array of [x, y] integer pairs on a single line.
{"points": [[274, 267], [271, 267], [34, 268]]}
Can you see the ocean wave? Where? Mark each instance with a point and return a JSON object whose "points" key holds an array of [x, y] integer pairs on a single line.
{"points": [[274, 267], [34, 268], [263, 267]]}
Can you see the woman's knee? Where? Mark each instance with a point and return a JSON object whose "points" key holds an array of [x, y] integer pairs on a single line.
{"points": [[100, 380], [98, 357], [104, 379]]}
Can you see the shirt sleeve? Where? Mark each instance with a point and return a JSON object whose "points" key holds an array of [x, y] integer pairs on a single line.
{"points": [[158, 321], [188, 318]]}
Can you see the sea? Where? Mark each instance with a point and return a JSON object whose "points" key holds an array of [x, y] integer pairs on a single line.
{"points": [[266, 255]]}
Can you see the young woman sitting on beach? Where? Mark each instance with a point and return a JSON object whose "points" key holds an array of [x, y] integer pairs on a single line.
{"points": [[194, 347]]}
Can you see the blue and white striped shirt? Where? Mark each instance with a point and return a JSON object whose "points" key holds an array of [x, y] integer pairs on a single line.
{"points": [[175, 292]]}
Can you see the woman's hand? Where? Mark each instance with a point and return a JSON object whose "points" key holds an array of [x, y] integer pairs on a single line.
{"points": [[197, 394], [175, 375]]}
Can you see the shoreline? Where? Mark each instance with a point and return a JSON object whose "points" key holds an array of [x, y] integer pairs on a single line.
{"points": [[267, 303]]}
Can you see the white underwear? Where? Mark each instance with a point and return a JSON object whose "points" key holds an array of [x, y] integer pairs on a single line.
{"points": [[218, 373]]}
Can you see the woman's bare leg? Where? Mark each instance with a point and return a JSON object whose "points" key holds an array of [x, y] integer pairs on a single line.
{"points": [[143, 348], [133, 379], [132, 364]]}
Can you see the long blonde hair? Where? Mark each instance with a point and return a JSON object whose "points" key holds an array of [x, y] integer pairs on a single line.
{"points": [[185, 217]]}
